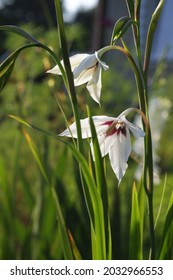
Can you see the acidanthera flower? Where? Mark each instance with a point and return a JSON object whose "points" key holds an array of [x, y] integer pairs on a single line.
{"points": [[113, 136], [86, 68]]}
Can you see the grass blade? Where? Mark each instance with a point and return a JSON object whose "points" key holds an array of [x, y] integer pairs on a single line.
{"points": [[135, 246], [64, 235], [167, 236], [102, 187], [19, 31]]}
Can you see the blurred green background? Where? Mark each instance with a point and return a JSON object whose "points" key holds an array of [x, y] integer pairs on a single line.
{"points": [[28, 222]]}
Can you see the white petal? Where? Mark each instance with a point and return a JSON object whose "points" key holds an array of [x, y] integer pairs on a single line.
{"points": [[102, 63], [94, 86], [55, 70], [97, 71], [84, 77], [137, 132], [86, 63], [105, 143], [103, 119], [86, 132], [72, 131], [119, 152], [75, 60]]}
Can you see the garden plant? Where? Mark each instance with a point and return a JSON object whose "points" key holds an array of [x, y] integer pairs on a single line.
{"points": [[98, 153]]}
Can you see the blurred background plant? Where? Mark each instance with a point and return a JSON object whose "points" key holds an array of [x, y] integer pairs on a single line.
{"points": [[28, 224]]}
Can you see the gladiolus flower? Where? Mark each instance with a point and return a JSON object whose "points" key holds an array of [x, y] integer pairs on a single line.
{"points": [[113, 137], [86, 68]]}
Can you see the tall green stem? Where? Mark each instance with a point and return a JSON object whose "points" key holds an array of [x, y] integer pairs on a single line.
{"points": [[70, 81], [148, 167]]}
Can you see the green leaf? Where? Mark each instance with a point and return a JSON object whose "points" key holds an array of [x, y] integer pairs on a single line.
{"points": [[137, 6], [19, 31], [135, 245], [167, 236], [120, 28], [35, 154], [64, 235], [6, 67], [96, 203], [102, 186], [76, 252], [93, 199], [151, 30], [130, 6], [4, 77]]}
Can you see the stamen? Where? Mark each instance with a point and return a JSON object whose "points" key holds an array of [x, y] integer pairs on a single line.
{"points": [[115, 127]]}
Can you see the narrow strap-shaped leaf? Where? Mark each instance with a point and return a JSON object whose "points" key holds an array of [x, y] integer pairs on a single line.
{"points": [[167, 236], [19, 31], [6, 67], [130, 6], [98, 224], [102, 186], [76, 252], [94, 202], [68, 254], [135, 245], [137, 6], [151, 30]]}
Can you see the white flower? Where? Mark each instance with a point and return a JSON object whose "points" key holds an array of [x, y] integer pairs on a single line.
{"points": [[86, 69], [113, 136]]}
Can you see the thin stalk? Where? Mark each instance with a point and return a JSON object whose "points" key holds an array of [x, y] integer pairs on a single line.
{"points": [[92, 201], [69, 75], [141, 83], [138, 77], [148, 183], [134, 12], [148, 161], [143, 97], [151, 223]]}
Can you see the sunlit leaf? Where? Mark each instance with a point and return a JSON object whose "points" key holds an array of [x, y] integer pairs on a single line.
{"points": [[93, 199], [137, 6], [7, 73], [102, 186], [130, 5], [35, 153], [167, 236], [75, 249], [135, 243], [120, 28], [150, 35], [64, 235]]}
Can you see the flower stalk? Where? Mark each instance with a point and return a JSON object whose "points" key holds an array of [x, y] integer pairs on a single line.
{"points": [[69, 75]]}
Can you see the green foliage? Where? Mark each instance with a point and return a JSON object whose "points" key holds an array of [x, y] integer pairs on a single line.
{"points": [[57, 202], [135, 244], [120, 28]]}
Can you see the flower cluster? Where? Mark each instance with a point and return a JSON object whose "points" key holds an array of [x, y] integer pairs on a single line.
{"points": [[113, 133]]}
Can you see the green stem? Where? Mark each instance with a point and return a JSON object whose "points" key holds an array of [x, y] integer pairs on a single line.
{"points": [[151, 223], [69, 75], [141, 82], [138, 77]]}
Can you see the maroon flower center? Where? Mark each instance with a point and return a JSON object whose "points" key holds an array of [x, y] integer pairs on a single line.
{"points": [[115, 128]]}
